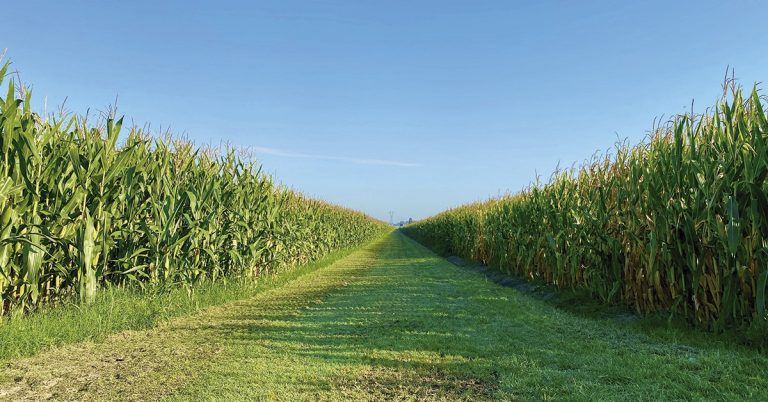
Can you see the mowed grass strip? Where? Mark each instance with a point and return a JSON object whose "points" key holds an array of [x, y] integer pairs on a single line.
{"points": [[394, 322], [412, 326]]}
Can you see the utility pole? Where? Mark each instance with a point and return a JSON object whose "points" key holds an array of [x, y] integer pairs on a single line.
{"points": [[391, 214]]}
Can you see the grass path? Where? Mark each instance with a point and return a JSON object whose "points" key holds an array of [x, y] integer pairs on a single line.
{"points": [[391, 321]]}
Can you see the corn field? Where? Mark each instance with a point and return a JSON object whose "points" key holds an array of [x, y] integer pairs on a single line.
{"points": [[78, 211], [678, 223]]}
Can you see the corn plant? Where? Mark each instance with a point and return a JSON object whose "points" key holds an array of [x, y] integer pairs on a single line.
{"points": [[678, 223], [82, 207]]}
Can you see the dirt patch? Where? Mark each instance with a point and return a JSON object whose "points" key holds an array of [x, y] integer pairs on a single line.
{"points": [[133, 365], [423, 384]]}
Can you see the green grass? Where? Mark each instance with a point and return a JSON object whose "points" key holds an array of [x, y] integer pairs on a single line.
{"points": [[394, 321], [416, 327], [118, 309]]}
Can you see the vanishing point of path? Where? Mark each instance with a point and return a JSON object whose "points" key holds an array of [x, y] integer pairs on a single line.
{"points": [[390, 322]]}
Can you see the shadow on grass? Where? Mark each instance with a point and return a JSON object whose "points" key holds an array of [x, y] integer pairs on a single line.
{"points": [[384, 319], [579, 302]]}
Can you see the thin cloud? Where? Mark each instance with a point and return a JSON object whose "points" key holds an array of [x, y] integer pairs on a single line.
{"points": [[362, 161]]}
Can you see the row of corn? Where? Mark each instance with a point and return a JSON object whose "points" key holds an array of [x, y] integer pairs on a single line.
{"points": [[676, 224], [82, 206]]}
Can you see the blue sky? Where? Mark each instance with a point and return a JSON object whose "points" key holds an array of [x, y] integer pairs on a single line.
{"points": [[410, 106]]}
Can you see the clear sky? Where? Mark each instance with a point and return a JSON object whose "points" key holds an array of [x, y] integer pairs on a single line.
{"points": [[410, 106]]}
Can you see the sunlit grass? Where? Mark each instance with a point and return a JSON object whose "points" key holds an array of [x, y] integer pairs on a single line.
{"points": [[427, 330], [118, 309]]}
